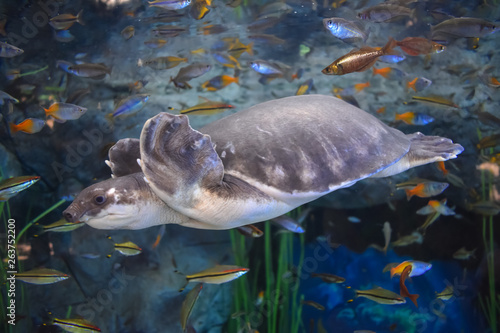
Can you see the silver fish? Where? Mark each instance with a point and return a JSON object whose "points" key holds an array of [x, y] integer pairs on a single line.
{"points": [[345, 30], [189, 72], [9, 51], [93, 71]]}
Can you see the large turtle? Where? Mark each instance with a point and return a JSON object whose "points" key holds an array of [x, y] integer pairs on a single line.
{"points": [[248, 167]]}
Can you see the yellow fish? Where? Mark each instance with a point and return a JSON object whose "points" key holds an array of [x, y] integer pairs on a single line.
{"points": [[41, 276], [126, 248], [381, 296], [12, 186], [216, 275], [188, 304], [207, 107], [75, 325]]}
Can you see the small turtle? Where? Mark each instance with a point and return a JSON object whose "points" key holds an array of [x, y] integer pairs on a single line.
{"points": [[248, 167]]}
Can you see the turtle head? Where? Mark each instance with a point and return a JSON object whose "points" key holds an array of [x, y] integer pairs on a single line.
{"points": [[111, 204]]}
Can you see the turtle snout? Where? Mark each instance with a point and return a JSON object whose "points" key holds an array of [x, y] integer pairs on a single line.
{"points": [[71, 215]]}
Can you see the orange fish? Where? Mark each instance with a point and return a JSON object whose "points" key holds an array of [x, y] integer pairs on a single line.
{"points": [[418, 268], [30, 126], [219, 82], [442, 168], [425, 190], [415, 46], [403, 291], [361, 86], [494, 81], [413, 118], [381, 110]]}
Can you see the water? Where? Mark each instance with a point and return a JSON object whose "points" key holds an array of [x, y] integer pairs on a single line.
{"points": [[265, 51]]}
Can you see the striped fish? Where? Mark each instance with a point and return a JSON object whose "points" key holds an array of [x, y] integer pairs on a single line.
{"points": [[62, 226], [381, 296], [76, 325], [216, 275], [126, 248], [12, 186], [41, 276], [207, 107], [188, 304]]}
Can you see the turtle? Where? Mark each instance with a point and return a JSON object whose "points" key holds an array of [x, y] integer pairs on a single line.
{"points": [[248, 167]]}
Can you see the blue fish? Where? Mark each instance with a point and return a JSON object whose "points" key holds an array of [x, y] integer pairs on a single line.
{"points": [[130, 105]]}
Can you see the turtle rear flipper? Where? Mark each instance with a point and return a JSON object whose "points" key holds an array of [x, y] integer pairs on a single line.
{"points": [[423, 150]]}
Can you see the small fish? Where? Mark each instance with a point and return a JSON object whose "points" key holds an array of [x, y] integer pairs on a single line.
{"points": [[305, 87], [93, 71], [155, 43], [12, 74], [77, 96], [463, 254], [381, 296], [6, 97], [489, 141], [218, 82], [128, 32], [226, 60], [418, 84], [328, 278], [200, 9], [288, 223], [345, 30], [353, 219], [170, 4], [390, 73], [238, 48], [381, 110], [250, 230], [207, 107], [188, 304], [168, 31], [63, 36], [9, 51], [267, 39], [460, 27], [431, 218], [388, 267], [435, 100], [436, 206], [266, 68], [76, 325], [65, 21], [217, 275], [441, 167], [384, 13], [418, 268], [165, 16], [164, 62], [393, 58], [212, 29], [446, 294], [41, 276], [126, 248], [386, 229], [415, 46], [426, 189], [30, 126], [358, 60], [161, 232], [189, 72], [415, 237], [414, 118], [488, 208], [12, 186], [403, 291], [65, 111], [62, 226], [130, 105], [263, 23], [313, 304]]}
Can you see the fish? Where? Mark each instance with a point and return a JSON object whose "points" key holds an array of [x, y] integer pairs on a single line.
{"points": [[189, 72], [288, 223], [30, 126], [361, 86], [250, 230], [345, 30], [188, 304], [414, 118], [76, 325], [388, 267], [415, 46], [165, 16], [130, 105], [381, 110], [160, 63], [386, 229], [381, 296], [216, 275], [436, 206], [12, 74], [418, 84], [358, 60], [65, 111], [446, 294], [226, 60], [170, 4], [155, 43], [212, 29], [128, 32], [418, 268], [218, 82], [93, 71], [207, 107], [460, 27], [168, 30], [61, 226], [41, 276], [489, 141], [126, 248], [353, 219], [463, 254], [200, 9], [426, 189], [414, 237], [393, 58], [263, 23], [384, 13], [267, 39], [238, 48], [161, 232], [488, 208], [435, 100], [403, 291], [12, 186], [272, 70], [313, 304], [9, 51], [305, 87], [390, 73], [65, 21], [63, 36], [328, 278]]}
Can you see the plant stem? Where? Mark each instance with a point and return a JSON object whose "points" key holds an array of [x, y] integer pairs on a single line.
{"points": [[269, 273]]}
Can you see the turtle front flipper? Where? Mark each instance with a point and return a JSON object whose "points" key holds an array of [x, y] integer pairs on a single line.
{"points": [[123, 157], [178, 161]]}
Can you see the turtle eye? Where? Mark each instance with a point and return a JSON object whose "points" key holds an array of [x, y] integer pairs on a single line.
{"points": [[99, 199]]}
